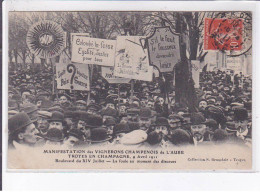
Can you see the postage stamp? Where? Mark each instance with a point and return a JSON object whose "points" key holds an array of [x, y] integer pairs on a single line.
{"points": [[223, 34]]}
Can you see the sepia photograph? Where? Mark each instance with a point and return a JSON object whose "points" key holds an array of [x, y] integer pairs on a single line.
{"points": [[130, 90]]}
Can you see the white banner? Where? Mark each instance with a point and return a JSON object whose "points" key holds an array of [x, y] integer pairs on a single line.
{"points": [[72, 76], [131, 59], [164, 49], [234, 63], [195, 65], [108, 74], [93, 51]]}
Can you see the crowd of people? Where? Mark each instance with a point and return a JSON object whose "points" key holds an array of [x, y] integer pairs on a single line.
{"points": [[111, 114]]}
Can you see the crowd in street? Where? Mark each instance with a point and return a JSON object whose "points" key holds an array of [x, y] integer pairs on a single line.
{"points": [[113, 114]]}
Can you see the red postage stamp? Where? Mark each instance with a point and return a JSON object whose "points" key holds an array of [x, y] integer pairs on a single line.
{"points": [[223, 34]]}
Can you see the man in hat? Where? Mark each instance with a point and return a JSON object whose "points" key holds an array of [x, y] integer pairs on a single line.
{"points": [[216, 113], [31, 110], [133, 118], [81, 123], [203, 105], [91, 121], [161, 126], [57, 120], [145, 120], [21, 130], [150, 104], [109, 113], [81, 105], [64, 101], [75, 138], [110, 103], [26, 96], [123, 92], [241, 122], [42, 122], [110, 124], [122, 109], [175, 121], [93, 109], [198, 127], [69, 118]]}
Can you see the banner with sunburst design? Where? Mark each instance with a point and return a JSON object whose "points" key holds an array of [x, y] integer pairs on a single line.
{"points": [[46, 39]]}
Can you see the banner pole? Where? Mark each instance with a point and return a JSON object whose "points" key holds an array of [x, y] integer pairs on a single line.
{"points": [[90, 67], [132, 90], [53, 79]]}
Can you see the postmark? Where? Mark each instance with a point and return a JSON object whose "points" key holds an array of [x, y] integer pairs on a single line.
{"points": [[223, 34]]}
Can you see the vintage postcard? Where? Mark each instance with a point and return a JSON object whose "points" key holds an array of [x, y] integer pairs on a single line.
{"points": [[149, 90]]}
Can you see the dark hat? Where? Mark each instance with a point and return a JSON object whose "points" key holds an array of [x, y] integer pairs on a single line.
{"points": [[176, 116], [197, 119], [161, 121], [93, 121], [18, 121], [133, 111], [57, 116], [121, 128], [69, 114], [109, 112], [110, 101], [12, 105], [41, 98], [98, 135], [82, 115], [66, 95], [95, 107], [154, 138], [44, 114], [29, 108], [12, 113], [240, 114], [123, 88], [180, 137], [43, 93], [77, 133], [212, 124], [110, 122], [145, 113], [220, 135], [215, 110], [56, 109], [81, 102], [248, 105], [17, 97], [55, 135], [230, 127], [46, 104]]}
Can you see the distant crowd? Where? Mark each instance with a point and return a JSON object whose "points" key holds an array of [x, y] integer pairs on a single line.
{"points": [[109, 114]]}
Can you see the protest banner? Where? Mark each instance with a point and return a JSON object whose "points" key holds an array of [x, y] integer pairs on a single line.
{"points": [[195, 65], [72, 76], [93, 51], [46, 39], [131, 60], [163, 48], [234, 63], [108, 74]]}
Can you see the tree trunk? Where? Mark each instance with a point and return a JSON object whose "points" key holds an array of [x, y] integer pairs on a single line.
{"points": [[184, 85], [16, 57]]}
